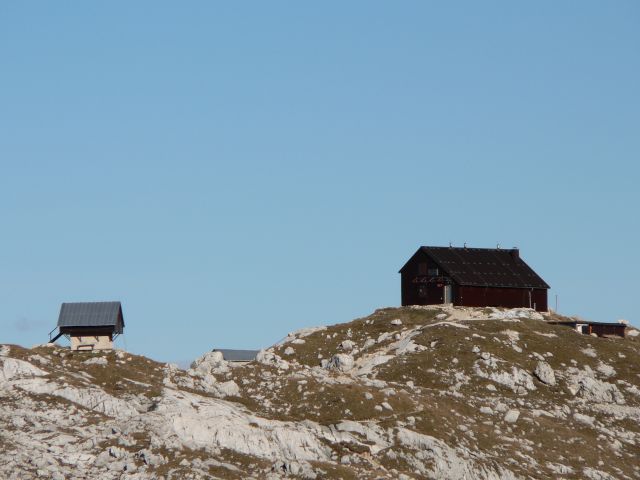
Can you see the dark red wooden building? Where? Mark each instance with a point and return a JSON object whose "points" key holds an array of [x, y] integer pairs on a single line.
{"points": [[473, 277]]}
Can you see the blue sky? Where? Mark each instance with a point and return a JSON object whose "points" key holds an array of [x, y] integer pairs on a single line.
{"points": [[234, 171]]}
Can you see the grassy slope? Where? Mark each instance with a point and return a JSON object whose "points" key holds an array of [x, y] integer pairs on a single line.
{"points": [[444, 400], [454, 417]]}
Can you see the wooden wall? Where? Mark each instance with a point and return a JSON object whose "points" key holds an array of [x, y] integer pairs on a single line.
{"points": [[501, 297]]}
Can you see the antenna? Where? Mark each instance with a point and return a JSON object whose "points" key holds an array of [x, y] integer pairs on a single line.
{"points": [[450, 245], [465, 244]]}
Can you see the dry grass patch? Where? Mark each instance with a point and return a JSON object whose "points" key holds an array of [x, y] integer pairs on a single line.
{"points": [[327, 342]]}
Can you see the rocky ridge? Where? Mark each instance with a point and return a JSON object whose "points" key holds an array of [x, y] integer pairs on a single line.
{"points": [[414, 392]]}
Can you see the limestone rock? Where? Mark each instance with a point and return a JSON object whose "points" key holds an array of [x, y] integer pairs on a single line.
{"points": [[370, 342], [297, 469], [584, 419], [267, 357], [117, 452], [228, 389], [210, 362], [594, 390], [512, 416], [347, 345], [96, 361], [150, 458], [518, 379], [11, 368], [605, 369], [341, 361], [545, 373], [444, 461]]}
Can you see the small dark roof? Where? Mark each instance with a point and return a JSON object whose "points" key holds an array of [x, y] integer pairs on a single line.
{"points": [[237, 355], [484, 267], [589, 322], [91, 314]]}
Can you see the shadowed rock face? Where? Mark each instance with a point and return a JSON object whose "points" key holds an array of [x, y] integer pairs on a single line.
{"points": [[428, 392]]}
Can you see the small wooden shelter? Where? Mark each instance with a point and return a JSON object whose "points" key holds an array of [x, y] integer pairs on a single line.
{"points": [[601, 329], [473, 277], [89, 325]]}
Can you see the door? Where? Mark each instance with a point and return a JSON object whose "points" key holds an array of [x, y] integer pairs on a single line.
{"points": [[447, 294]]}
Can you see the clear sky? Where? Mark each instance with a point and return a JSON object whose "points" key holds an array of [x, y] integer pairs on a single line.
{"points": [[232, 171]]}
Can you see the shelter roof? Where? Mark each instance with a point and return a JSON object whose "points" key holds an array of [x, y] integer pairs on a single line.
{"points": [[237, 355], [90, 314], [484, 267]]}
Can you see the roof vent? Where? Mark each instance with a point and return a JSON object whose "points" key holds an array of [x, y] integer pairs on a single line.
{"points": [[515, 253]]}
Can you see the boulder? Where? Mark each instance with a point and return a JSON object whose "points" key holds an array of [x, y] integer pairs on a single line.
{"points": [[545, 373], [341, 361], [370, 342], [228, 389], [347, 345], [267, 357], [210, 362], [511, 416], [605, 369], [150, 458], [117, 452], [298, 469]]}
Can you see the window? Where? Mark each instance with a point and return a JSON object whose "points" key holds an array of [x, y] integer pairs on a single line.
{"points": [[433, 272], [422, 291], [422, 269]]}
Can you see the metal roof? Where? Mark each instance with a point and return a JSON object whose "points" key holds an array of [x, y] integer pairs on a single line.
{"points": [[237, 355], [91, 314], [588, 322], [485, 267]]}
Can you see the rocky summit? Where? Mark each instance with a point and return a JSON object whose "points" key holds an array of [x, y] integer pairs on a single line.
{"points": [[415, 392]]}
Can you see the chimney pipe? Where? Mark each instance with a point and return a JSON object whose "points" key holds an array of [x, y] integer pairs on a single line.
{"points": [[515, 253]]}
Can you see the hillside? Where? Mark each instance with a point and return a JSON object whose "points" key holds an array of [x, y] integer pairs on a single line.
{"points": [[428, 392]]}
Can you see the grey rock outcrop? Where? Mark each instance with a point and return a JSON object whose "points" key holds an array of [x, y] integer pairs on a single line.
{"points": [[341, 361], [593, 390], [545, 373]]}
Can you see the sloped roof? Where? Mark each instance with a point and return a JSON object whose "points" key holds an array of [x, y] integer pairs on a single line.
{"points": [[90, 314], [485, 267], [588, 322], [238, 355]]}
